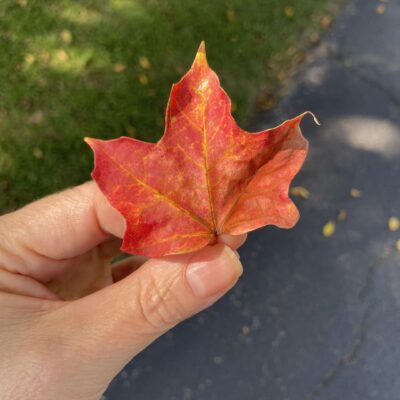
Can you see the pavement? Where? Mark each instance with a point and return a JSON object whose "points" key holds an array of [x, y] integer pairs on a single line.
{"points": [[313, 317]]}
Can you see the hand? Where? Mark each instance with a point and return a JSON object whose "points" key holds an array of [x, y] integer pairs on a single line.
{"points": [[56, 344]]}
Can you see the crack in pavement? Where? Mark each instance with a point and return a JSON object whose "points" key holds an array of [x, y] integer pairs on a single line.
{"points": [[387, 251], [347, 359], [353, 354]]}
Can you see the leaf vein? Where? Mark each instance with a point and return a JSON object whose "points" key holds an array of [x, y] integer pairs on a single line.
{"points": [[174, 237], [158, 193], [205, 155]]}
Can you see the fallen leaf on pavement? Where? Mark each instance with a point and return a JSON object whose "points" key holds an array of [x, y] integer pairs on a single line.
{"points": [[380, 9], [355, 193], [342, 215], [329, 229], [393, 224], [300, 191]]}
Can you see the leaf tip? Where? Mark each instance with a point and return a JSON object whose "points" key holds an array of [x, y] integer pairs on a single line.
{"points": [[202, 47], [201, 58], [89, 141]]}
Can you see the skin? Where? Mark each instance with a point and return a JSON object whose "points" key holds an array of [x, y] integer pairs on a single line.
{"points": [[65, 328]]}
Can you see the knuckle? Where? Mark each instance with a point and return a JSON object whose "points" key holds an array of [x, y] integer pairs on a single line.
{"points": [[158, 303]]}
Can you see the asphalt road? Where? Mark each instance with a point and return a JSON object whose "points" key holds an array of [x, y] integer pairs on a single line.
{"points": [[313, 317]]}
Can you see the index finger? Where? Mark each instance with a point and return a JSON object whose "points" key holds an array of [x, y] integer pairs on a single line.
{"points": [[55, 229]]}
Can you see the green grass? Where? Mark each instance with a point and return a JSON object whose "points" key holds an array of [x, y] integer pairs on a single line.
{"points": [[104, 68]]}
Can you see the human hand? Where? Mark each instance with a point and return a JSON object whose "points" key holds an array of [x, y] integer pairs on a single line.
{"points": [[60, 248]]}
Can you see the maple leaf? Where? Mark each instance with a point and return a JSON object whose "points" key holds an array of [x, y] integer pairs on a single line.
{"points": [[206, 176]]}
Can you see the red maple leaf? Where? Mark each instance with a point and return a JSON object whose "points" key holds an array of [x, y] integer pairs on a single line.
{"points": [[206, 176]]}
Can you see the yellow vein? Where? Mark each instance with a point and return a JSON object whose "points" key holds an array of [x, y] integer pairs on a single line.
{"points": [[192, 160], [218, 128], [174, 237], [205, 155], [180, 110]]}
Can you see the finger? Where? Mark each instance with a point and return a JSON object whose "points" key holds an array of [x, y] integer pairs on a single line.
{"points": [[24, 285], [122, 269], [233, 241], [87, 274], [122, 319], [110, 248], [40, 239]]}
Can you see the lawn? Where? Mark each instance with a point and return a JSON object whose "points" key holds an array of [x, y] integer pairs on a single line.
{"points": [[104, 68]]}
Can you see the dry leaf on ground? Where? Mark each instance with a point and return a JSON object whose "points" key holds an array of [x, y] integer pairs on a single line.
{"points": [[329, 229]]}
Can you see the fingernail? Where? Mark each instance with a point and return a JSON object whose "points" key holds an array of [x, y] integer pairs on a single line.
{"points": [[213, 270]]}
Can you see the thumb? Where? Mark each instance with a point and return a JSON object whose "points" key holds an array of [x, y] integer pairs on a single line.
{"points": [[111, 326]]}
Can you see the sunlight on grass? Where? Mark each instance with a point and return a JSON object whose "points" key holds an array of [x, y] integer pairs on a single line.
{"points": [[75, 60], [126, 6], [79, 14], [83, 14], [63, 57], [62, 51]]}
